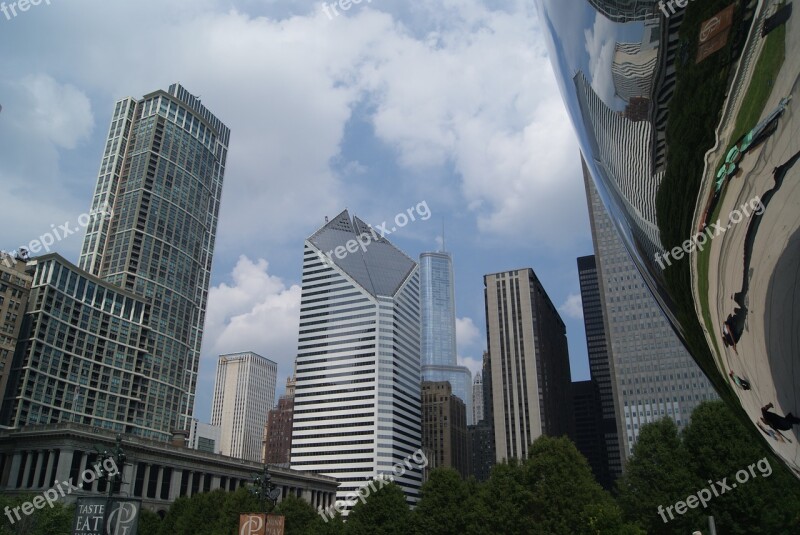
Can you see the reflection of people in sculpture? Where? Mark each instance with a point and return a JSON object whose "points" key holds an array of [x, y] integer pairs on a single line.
{"points": [[773, 434], [727, 337], [744, 384], [776, 421]]}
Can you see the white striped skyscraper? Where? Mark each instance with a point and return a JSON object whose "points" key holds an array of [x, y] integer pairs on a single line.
{"points": [[357, 401]]}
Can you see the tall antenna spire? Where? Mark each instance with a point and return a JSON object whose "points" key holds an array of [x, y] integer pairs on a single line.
{"points": [[444, 249]]}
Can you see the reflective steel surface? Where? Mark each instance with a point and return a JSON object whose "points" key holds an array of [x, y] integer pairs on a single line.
{"points": [[686, 119]]}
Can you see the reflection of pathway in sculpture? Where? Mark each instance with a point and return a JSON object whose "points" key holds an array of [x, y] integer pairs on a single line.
{"points": [[739, 318]]}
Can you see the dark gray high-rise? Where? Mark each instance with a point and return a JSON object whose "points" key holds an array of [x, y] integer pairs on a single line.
{"points": [[600, 368]]}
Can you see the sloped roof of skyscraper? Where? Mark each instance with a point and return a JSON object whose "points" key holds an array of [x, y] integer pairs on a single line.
{"points": [[377, 265]]}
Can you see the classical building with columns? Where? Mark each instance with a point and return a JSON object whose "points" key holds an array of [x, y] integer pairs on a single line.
{"points": [[34, 458]]}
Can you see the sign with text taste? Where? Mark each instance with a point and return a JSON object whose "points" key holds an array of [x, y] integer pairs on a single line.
{"points": [[106, 516], [261, 524]]}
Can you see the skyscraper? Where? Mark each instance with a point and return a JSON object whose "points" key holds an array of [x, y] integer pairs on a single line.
{"points": [[601, 367], [438, 317], [357, 399], [15, 286], [477, 399], [481, 434], [588, 436], [244, 391], [529, 362], [653, 373], [278, 431], [444, 427], [161, 174], [129, 348]]}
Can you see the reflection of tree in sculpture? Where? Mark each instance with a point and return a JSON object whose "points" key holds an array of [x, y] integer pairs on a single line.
{"points": [[737, 321], [730, 167]]}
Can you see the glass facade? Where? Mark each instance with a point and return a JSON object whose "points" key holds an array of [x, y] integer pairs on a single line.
{"points": [[683, 115], [438, 327], [161, 178]]}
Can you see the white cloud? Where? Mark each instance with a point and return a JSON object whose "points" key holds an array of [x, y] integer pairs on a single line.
{"points": [[467, 333], [255, 312], [572, 307], [61, 113]]}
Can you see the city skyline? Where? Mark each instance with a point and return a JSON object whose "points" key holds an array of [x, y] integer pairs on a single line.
{"points": [[366, 159]]}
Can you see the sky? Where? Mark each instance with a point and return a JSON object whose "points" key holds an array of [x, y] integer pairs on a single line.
{"points": [[451, 103]]}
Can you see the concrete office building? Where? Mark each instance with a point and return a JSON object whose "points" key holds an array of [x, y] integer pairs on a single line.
{"points": [[653, 374], [33, 458], [204, 437], [244, 391], [477, 399], [529, 363], [601, 370], [444, 427], [481, 435], [438, 322], [15, 286], [588, 437], [357, 399], [278, 431]]}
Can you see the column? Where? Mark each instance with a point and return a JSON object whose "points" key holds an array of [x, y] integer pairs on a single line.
{"points": [[146, 485], [126, 488], [202, 482], [189, 484], [13, 474], [175, 484], [64, 464], [159, 477], [215, 482], [51, 465], [27, 471], [37, 472]]}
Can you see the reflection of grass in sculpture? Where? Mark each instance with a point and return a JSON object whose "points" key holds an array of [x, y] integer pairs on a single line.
{"points": [[694, 112], [766, 70]]}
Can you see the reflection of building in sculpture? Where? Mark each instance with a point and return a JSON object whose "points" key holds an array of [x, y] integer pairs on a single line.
{"points": [[655, 375], [622, 151], [633, 69], [626, 10], [438, 327]]}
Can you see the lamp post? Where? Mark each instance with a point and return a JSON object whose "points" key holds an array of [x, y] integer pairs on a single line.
{"points": [[264, 489]]}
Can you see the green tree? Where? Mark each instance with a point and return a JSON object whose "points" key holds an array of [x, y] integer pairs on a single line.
{"points": [[719, 446], [383, 512], [505, 501], [440, 510], [149, 522], [658, 475], [300, 515], [235, 503], [56, 520], [564, 496]]}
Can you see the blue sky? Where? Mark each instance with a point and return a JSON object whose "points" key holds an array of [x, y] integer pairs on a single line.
{"points": [[387, 105]]}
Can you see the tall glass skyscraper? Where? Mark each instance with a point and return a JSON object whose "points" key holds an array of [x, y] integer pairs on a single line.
{"points": [[438, 317], [161, 174], [357, 405]]}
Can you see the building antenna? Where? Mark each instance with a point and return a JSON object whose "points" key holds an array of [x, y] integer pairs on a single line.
{"points": [[444, 249]]}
